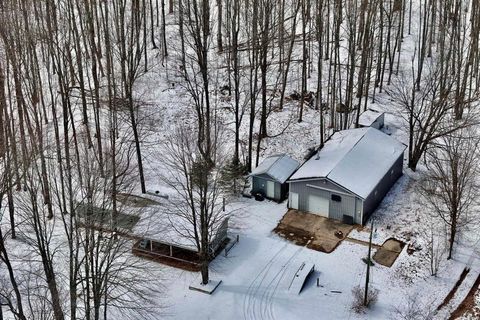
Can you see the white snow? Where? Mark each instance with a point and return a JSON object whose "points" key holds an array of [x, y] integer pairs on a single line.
{"points": [[258, 271], [356, 159]]}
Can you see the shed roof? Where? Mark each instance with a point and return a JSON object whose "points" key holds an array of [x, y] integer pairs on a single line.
{"points": [[279, 167], [355, 159], [368, 117]]}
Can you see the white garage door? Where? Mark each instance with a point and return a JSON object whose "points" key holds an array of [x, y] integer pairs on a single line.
{"points": [[318, 205]]}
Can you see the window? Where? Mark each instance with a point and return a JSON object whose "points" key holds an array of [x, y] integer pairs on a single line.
{"points": [[336, 198]]}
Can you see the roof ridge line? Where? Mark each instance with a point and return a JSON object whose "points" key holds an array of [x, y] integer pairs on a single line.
{"points": [[279, 156], [350, 150]]}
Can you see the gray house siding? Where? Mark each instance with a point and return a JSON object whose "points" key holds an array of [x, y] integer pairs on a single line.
{"points": [[379, 122], [347, 206], [279, 196], [283, 191], [382, 188], [259, 185], [344, 207]]}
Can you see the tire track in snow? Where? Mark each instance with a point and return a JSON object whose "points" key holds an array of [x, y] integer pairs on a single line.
{"points": [[252, 289], [256, 286], [269, 303], [261, 307]]}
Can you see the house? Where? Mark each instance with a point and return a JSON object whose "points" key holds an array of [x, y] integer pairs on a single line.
{"points": [[270, 177], [372, 118], [348, 178]]}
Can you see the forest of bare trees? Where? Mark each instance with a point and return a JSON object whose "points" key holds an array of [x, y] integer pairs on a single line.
{"points": [[72, 121]]}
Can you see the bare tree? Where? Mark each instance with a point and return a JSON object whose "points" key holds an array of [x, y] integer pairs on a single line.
{"points": [[435, 248], [195, 33], [428, 111], [39, 234], [411, 308], [450, 186], [9, 289], [197, 203]]}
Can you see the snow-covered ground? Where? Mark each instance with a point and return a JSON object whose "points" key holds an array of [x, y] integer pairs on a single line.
{"points": [[258, 271]]}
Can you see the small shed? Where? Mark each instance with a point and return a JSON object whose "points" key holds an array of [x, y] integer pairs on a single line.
{"points": [[372, 118], [270, 177]]}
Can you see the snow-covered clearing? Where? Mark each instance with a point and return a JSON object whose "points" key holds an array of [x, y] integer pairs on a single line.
{"points": [[258, 271]]}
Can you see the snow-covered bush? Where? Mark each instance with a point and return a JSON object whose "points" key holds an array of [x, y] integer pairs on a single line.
{"points": [[359, 305], [413, 308]]}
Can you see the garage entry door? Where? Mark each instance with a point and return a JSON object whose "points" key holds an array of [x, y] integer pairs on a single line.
{"points": [[270, 189], [318, 205]]}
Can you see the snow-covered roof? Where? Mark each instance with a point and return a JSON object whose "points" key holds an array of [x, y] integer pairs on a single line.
{"points": [[368, 117], [162, 223], [278, 167], [355, 159]]}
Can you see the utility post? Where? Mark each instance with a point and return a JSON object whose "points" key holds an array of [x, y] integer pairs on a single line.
{"points": [[367, 280]]}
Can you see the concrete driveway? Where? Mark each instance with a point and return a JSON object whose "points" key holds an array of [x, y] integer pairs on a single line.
{"points": [[301, 227]]}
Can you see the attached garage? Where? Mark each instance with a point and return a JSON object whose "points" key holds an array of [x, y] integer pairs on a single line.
{"points": [[270, 177], [348, 178]]}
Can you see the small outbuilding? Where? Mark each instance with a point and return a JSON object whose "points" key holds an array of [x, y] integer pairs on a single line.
{"points": [[270, 177], [372, 118], [349, 177]]}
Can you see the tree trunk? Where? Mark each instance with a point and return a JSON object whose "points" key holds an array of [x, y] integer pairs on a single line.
{"points": [[219, 26], [451, 240], [5, 259], [137, 143]]}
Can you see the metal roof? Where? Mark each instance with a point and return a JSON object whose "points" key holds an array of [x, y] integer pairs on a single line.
{"points": [[278, 167], [355, 159], [368, 117]]}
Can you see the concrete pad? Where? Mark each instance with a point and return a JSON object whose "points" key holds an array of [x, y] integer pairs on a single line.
{"points": [[393, 245], [324, 234], [208, 288], [388, 252]]}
